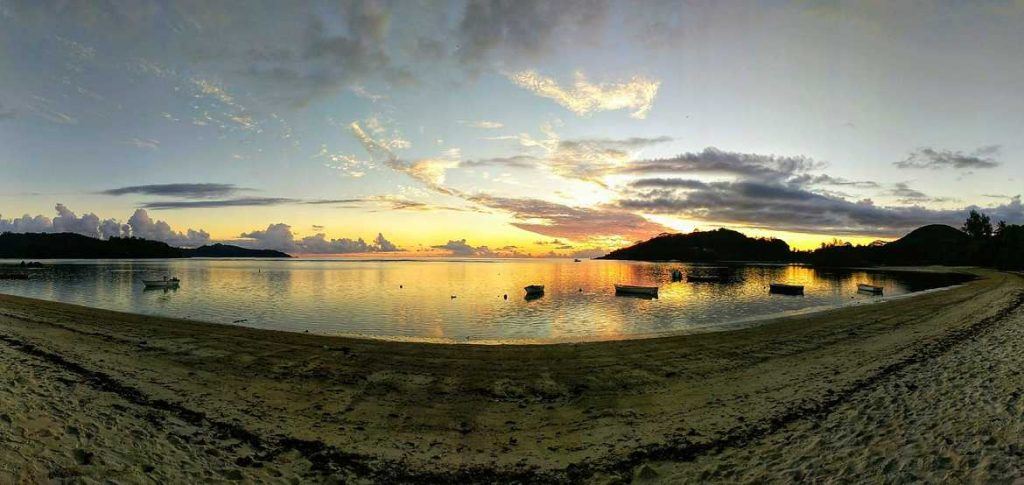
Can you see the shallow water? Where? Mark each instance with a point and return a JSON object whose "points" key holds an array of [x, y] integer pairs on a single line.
{"points": [[413, 299]]}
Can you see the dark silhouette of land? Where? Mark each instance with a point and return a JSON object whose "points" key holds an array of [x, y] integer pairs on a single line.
{"points": [[717, 245], [977, 243], [77, 246]]}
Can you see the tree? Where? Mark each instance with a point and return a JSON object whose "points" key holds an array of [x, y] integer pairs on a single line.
{"points": [[1000, 229], [977, 225]]}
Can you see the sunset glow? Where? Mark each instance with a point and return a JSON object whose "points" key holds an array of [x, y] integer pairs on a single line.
{"points": [[441, 127]]}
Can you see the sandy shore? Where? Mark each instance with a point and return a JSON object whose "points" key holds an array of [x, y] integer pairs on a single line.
{"points": [[919, 388]]}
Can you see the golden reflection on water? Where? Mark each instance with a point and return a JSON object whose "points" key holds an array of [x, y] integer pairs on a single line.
{"points": [[414, 299]]}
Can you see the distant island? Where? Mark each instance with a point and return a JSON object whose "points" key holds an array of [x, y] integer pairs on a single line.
{"points": [[77, 246], [977, 243], [697, 246]]}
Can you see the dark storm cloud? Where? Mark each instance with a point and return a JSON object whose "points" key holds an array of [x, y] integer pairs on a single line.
{"points": [[576, 223], [779, 206], [713, 160], [937, 159], [185, 191], [210, 204]]}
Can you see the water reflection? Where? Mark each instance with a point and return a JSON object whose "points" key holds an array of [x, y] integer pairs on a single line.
{"points": [[412, 299]]}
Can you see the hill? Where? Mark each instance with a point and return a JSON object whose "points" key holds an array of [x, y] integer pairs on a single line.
{"points": [[77, 246], [933, 244], [228, 251], [717, 245]]}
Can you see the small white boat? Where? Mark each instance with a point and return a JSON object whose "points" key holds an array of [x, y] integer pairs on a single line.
{"points": [[534, 289], [162, 283], [651, 291], [866, 288], [785, 289]]}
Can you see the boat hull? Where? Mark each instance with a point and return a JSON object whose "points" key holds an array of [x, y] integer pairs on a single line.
{"points": [[783, 289], [534, 289], [651, 291], [874, 290]]}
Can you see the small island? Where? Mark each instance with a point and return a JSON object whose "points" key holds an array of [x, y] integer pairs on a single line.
{"points": [[77, 246]]}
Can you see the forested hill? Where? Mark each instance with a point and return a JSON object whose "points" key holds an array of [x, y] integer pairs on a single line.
{"points": [[717, 245], [76, 246]]}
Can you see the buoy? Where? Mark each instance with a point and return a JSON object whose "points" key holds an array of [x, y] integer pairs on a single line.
{"points": [[400, 286], [453, 297], [506, 296]]}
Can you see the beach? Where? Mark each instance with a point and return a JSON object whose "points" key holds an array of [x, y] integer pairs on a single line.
{"points": [[919, 388]]}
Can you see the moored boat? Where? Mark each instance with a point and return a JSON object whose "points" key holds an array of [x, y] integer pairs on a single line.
{"points": [[534, 289], [162, 283], [576, 261], [651, 291], [866, 288], [784, 289]]}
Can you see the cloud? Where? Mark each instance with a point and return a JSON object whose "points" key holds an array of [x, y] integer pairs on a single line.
{"points": [[143, 143], [185, 191], [139, 225], [26, 223], [669, 183], [714, 161], [575, 223], [515, 30], [937, 159], [592, 159], [388, 202], [777, 206], [7, 114], [584, 97], [429, 171], [464, 249], [279, 236], [823, 179], [483, 124], [515, 161], [147, 228], [210, 204]]}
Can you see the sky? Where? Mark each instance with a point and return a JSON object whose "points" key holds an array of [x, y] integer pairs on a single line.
{"points": [[506, 128]]}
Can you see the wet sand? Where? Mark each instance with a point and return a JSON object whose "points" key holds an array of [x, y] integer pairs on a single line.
{"points": [[917, 388]]}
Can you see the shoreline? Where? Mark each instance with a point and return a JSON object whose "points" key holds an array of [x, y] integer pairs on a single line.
{"points": [[185, 400], [723, 326]]}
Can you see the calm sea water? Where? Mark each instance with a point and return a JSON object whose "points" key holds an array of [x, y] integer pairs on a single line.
{"points": [[413, 299]]}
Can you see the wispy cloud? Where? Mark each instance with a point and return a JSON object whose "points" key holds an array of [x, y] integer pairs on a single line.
{"points": [[430, 171], [184, 190], [584, 97], [210, 204], [388, 202], [483, 124], [145, 143], [936, 159]]}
